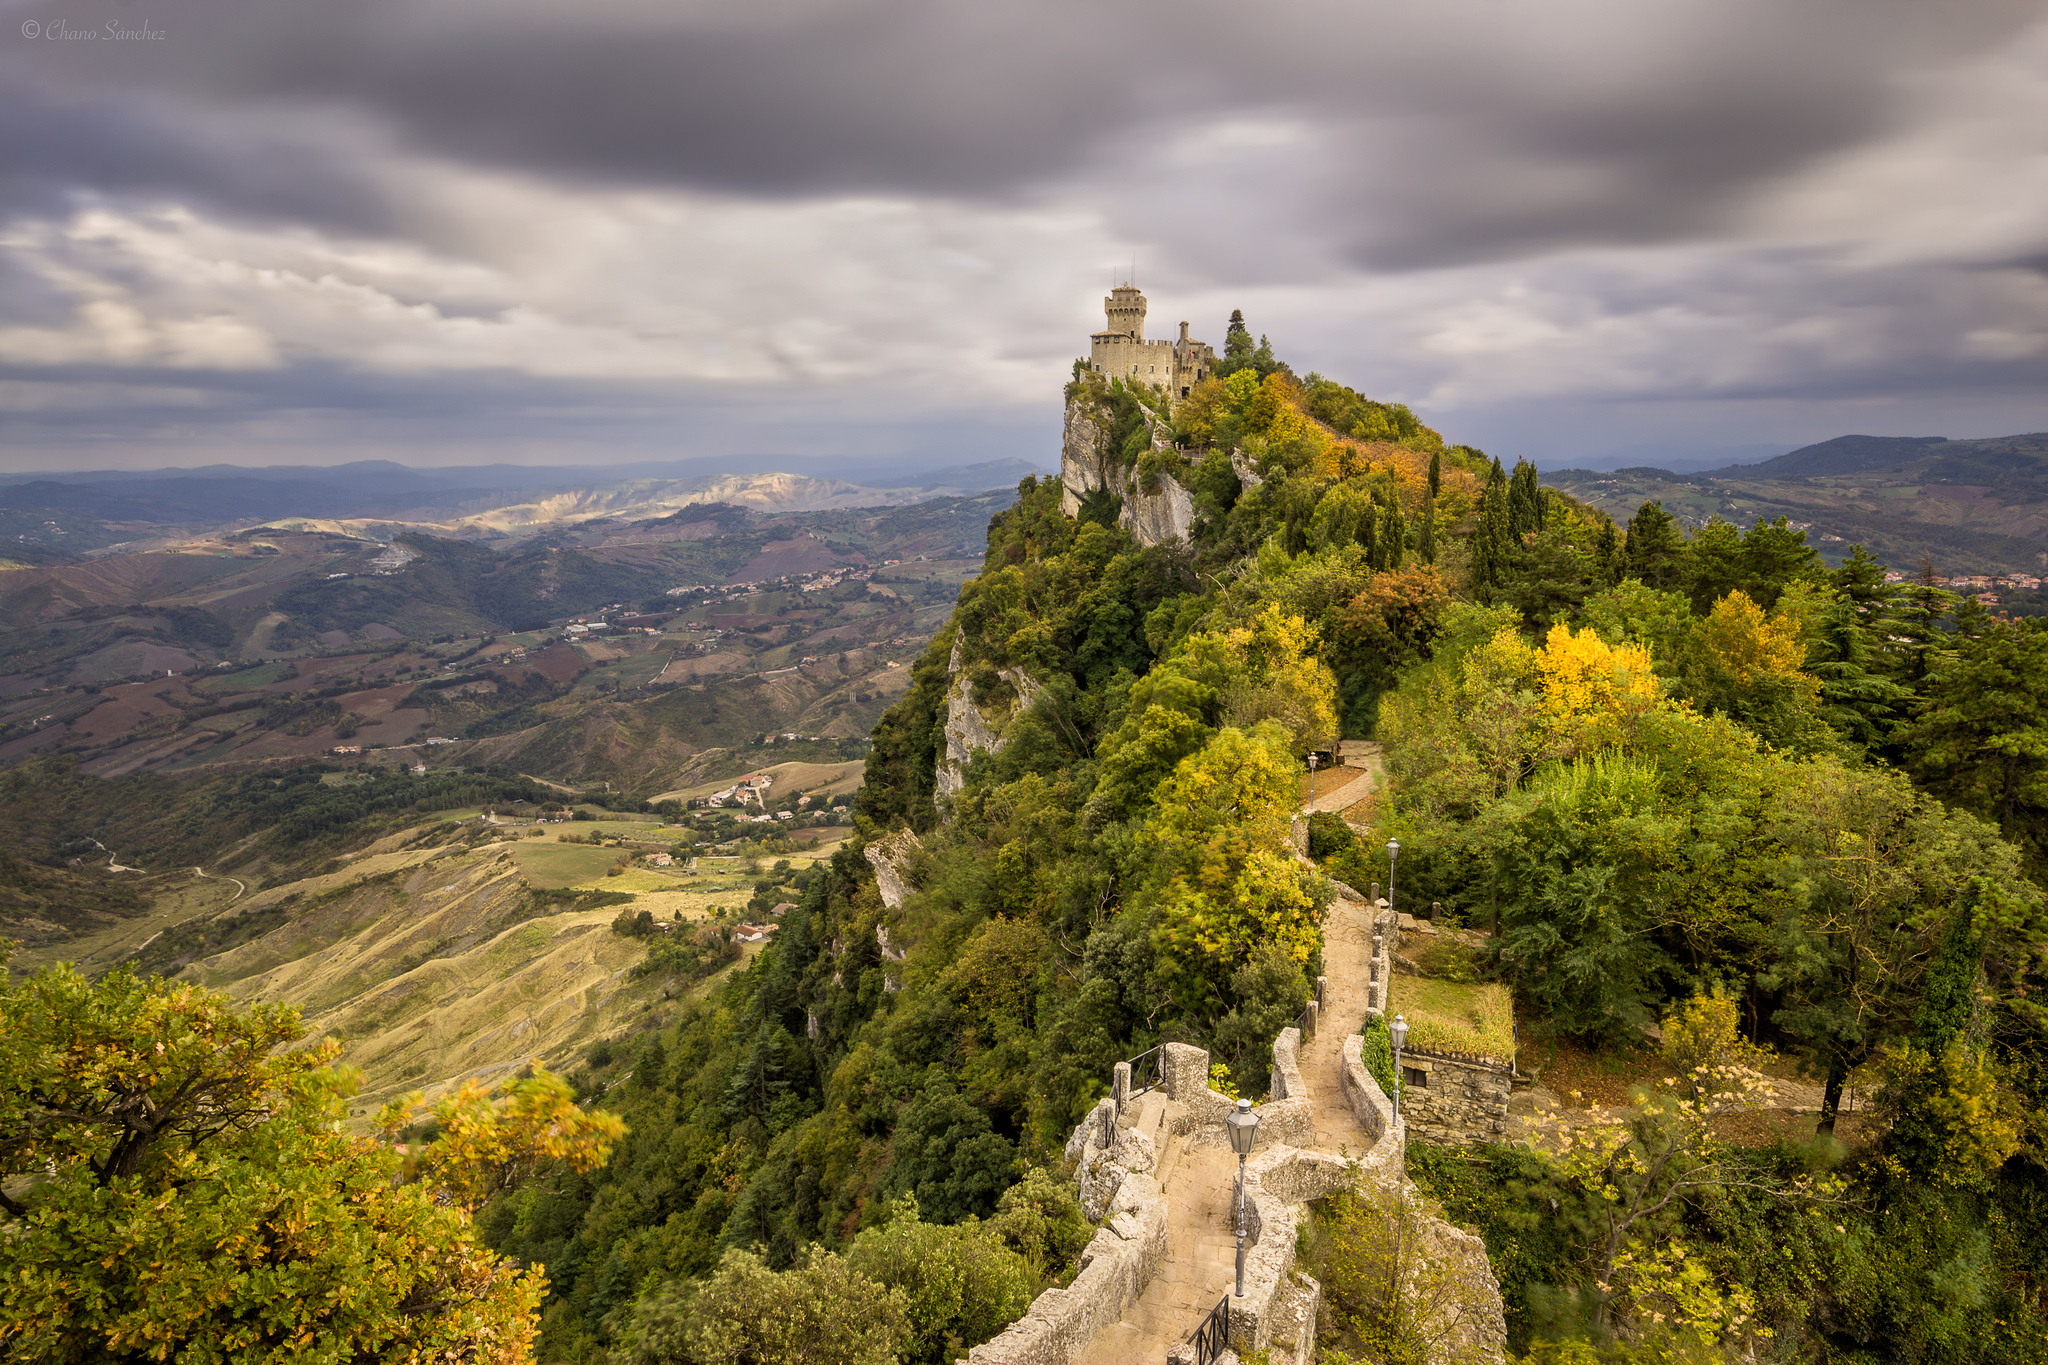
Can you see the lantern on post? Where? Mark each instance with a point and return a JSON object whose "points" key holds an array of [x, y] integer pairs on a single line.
{"points": [[1312, 758], [1393, 852], [1244, 1131], [1398, 1031]]}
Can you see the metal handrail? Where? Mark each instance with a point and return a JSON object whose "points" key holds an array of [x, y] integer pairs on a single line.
{"points": [[1146, 1070], [1212, 1338]]}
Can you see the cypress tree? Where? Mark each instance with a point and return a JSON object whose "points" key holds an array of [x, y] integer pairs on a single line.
{"points": [[1394, 536], [1369, 534], [1525, 499], [1425, 539], [1495, 532], [1436, 474]]}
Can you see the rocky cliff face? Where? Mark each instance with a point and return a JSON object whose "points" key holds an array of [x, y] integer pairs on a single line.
{"points": [[1085, 464], [969, 728]]}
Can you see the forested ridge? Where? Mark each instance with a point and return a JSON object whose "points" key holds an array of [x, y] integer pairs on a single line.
{"points": [[1707, 800]]}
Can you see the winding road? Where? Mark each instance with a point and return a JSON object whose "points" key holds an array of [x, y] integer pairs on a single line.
{"points": [[239, 888]]}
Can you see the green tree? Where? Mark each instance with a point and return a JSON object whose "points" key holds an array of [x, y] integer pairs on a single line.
{"points": [[1393, 549], [1870, 875], [1237, 347], [1225, 879], [1525, 500], [1655, 549], [1980, 739], [1493, 538], [822, 1312], [1584, 877], [960, 1285]]}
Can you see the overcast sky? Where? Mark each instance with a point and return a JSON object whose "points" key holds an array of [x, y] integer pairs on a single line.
{"points": [[450, 231]]}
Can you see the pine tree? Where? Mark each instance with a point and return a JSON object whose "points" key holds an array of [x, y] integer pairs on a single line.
{"points": [[1262, 358], [1237, 346], [1369, 535], [1655, 551], [1607, 551]]}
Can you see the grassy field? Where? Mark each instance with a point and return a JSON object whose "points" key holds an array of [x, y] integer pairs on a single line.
{"points": [[552, 866], [1450, 1017]]}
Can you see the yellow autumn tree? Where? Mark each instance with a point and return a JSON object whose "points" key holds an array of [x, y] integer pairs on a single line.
{"points": [[1755, 649], [1750, 667], [492, 1142], [1593, 692], [1266, 669], [1225, 876]]}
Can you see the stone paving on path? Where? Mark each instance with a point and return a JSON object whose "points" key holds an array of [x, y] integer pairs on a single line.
{"points": [[1200, 1185], [1200, 1266]]}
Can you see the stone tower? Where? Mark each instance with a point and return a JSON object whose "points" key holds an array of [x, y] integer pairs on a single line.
{"points": [[1121, 350], [1125, 307]]}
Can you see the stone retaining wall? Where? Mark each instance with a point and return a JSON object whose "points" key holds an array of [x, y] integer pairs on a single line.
{"points": [[1184, 1074], [1116, 1265], [1461, 1100]]}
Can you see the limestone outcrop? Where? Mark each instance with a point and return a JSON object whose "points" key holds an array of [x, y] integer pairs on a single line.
{"points": [[1165, 514], [891, 857], [969, 728]]}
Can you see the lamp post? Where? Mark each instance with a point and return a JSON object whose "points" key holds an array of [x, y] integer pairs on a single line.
{"points": [[1312, 783], [1244, 1130], [1393, 852], [1398, 1031]]}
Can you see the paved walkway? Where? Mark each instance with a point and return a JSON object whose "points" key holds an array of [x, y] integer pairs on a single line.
{"points": [[1337, 790], [1200, 1267], [1347, 946], [1200, 1185]]}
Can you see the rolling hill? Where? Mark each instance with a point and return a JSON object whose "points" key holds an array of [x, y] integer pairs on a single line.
{"points": [[1978, 506]]}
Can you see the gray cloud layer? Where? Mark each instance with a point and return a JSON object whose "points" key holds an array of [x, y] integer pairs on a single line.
{"points": [[1468, 204]]}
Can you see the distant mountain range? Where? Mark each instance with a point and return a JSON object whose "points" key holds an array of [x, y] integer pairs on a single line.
{"points": [[1975, 506], [58, 516]]}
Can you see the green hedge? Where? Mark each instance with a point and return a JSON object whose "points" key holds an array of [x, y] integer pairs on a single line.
{"points": [[1379, 1055]]}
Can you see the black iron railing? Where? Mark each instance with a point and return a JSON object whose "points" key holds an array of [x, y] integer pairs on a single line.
{"points": [[1145, 1071], [1212, 1338]]}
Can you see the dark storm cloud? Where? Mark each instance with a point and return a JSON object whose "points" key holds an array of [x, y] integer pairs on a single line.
{"points": [[439, 228], [57, 145], [1465, 130]]}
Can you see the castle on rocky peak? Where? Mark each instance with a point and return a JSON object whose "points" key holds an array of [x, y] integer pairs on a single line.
{"points": [[1120, 351]]}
